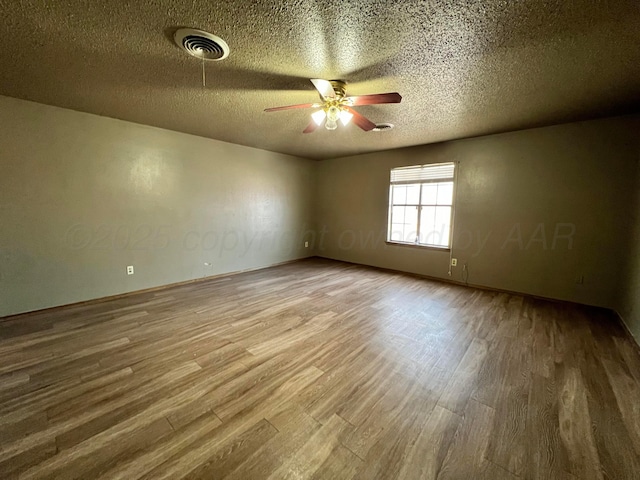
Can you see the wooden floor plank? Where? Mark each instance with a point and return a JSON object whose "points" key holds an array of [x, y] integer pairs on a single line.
{"points": [[463, 380], [546, 456], [138, 465], [428, 453], [307, 460], [611, 437], [576, 426], [627, 393], [294, 427], [466, 456], [508, 443], [233, 453]]}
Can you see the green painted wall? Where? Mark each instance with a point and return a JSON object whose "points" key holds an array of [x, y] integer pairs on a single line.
{"points": [[83, 196], [516, 193]]}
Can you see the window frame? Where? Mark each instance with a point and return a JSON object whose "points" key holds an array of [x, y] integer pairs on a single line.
{"points": [[437, 180]]}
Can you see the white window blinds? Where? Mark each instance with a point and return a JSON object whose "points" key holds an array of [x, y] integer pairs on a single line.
{"points": [[435, 172]]}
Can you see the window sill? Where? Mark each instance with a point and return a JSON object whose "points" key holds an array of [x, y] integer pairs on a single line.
{"points": [[421, 247]]}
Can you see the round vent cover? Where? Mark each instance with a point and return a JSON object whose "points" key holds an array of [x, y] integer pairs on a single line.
{"points": [[201, 44], [381, 127]]}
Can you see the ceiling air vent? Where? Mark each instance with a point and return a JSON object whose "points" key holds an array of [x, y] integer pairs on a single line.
{"points": [[383, 127], [201, 44]]}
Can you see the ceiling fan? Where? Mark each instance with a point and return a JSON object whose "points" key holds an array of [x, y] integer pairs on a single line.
{"points": [[336, 106]]}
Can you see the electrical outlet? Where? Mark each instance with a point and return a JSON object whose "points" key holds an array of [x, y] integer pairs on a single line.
{"points": [[580, 280], [130, 270], [454, 262], [306, 244]]}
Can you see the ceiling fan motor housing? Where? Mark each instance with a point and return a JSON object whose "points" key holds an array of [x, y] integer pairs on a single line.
{"points": [[339, 86]]}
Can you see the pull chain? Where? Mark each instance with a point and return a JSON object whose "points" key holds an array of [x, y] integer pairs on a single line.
{"points": [[204, 78]]}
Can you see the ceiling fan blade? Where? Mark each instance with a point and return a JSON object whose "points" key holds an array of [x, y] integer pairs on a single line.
{"points": [[324, 87], [311, 127], [363, 122], [289, 107], [375, 99]]}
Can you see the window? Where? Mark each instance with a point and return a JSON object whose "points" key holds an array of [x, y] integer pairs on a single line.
{"points": [[421, 204]]}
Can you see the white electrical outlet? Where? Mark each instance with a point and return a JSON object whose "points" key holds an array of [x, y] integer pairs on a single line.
{"points": [[454, 262], [130, 270], [306, 244]]}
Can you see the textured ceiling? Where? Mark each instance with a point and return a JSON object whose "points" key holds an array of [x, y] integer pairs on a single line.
{"points": [[464, 68]]}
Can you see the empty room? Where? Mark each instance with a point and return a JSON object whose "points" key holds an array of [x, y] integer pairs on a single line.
{"points": [[320, 240]]}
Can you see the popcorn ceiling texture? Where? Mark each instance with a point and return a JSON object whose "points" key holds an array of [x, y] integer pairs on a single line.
{"points": [[464, 68]]}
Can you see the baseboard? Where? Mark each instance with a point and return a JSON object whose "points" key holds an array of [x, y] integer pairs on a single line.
{"points": [[118, 296]]}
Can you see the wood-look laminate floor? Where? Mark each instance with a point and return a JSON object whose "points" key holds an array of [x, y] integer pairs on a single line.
{"points": [[320, 370]]}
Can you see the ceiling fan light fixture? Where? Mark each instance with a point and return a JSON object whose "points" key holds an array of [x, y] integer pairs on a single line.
{"points": [[318, 117], [331, 124], [345, 117], [333, 113]]}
